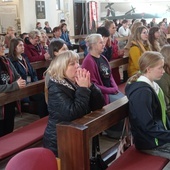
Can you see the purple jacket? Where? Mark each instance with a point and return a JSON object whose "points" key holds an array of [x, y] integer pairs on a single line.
{"points": [[90, 64]]}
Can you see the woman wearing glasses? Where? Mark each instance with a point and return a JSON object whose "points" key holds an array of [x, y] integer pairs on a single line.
{"points": [[10, 80], [140, 44]]}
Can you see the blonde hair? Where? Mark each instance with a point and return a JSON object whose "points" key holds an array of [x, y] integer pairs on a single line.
{"points": [[60, 63], [135, 25], [165, 51], [148, 59], [10, 28], [92, 39]]}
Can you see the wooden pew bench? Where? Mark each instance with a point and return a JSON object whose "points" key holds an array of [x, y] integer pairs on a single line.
{"points": [[74, 141], [28, 135], [45, 63]]}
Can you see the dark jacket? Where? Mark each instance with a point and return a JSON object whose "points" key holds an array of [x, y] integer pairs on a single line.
{"points": [[22, 71], [11, 85], [48, 29], [66, 38], [146, 116], [67, 103]]}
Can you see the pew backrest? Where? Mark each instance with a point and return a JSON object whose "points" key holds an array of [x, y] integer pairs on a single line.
{"points": [[73, 146], [29, 90]]}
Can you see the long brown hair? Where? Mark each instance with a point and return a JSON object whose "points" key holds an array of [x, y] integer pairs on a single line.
{"points": [[137, 37], [12, 49], [152, 39]]}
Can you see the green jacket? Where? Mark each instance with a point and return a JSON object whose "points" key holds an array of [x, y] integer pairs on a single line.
{"points": [[164, 83]]}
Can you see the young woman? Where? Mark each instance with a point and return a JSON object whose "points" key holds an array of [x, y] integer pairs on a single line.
{"points": [[140, 44], [164, 82], [10, 80], [71, 95], [154, 35], [116, 52], [22, 65], [133, 28], [57, 34], [65, 36], [147, 110], [55, 48]]}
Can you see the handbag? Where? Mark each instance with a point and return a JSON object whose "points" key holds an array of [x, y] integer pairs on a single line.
{"points": [[126, 139], [96, 161]]}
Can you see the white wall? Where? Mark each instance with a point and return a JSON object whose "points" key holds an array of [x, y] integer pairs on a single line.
{"points": [[27, 15]]}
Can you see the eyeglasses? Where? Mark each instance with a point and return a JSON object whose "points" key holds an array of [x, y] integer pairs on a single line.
{"points": [[144, 32]]}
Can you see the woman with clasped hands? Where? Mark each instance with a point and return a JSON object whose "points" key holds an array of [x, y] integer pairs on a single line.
{"points": [[10, 80], [71, 95]]}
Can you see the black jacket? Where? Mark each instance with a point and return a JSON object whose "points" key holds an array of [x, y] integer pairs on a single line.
{"points": [[146, 116], [67, 103]]}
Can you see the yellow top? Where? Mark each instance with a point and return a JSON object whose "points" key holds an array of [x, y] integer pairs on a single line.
{"points": [[134, 55]]}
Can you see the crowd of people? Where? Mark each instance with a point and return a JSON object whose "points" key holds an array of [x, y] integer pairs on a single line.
{"points": [[72, 91]]}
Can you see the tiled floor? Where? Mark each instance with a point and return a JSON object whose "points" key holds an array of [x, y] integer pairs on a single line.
{"points": [[26, 118]]}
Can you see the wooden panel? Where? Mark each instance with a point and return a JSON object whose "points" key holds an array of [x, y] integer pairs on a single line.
{"points": [[118, 62], [29, 90], [40, 64]]}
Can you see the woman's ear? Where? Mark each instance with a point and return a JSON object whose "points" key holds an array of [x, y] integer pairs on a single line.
{"points": [[148, 69], [55, 53]]}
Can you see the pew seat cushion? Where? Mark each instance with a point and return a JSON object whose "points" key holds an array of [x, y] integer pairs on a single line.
{"points": [[132, 159], [22, 138]]}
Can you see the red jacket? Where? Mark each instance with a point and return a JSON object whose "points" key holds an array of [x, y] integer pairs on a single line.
{"points": [[34, 53]]}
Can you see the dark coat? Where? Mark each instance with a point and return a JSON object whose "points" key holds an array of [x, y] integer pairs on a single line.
{"points": [[145, 116], [12, 85], [21, 70], [67, 103]]}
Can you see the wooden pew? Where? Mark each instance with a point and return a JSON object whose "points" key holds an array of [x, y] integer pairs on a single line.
{"points": [[29, 90], [118, 62], [40, 64], [78, 36], [74, 141], [45, 63], [74, 137]]}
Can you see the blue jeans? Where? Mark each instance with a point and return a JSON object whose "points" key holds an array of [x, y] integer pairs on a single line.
{"points": [[114, 97], [116, 130]]}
